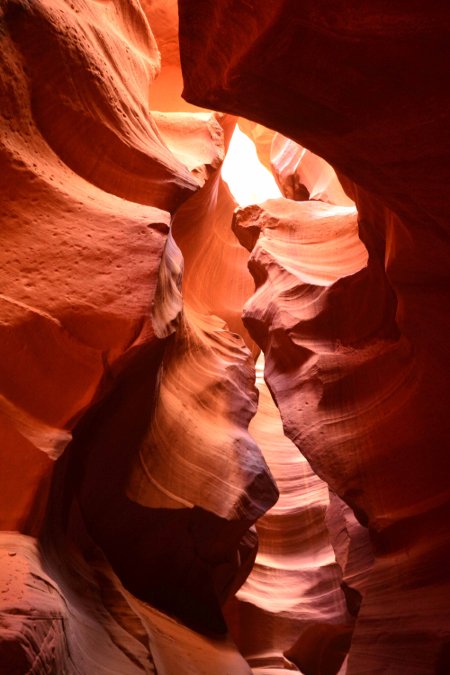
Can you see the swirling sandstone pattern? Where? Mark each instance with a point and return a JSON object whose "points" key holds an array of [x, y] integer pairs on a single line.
{"points": [[130, 473], [294, 589], [75, 299], [91, 301], [303, 175], [362, 361]]}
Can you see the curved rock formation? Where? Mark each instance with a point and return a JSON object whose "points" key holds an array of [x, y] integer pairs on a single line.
{"points": [[76, 82], [75, 298], [91, 301], [132, 486], [303, 175], [294, 587], [63, 614], [165, 92], [380, 124], [216, 280], [326, 340], [207, 366]]}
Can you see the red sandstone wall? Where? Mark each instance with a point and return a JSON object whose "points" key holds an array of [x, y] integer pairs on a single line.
{"points": [[136, 452]]}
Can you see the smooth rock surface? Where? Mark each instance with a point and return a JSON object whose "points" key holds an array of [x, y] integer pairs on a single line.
{"points": [[90, 299], [303, 175], [363, 88], [62, 615], [80, 265], [318, 318], [294, 587], [132, 487]]}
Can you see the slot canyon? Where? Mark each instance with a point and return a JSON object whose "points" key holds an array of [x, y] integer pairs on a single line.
{"points": [[224, 337]]}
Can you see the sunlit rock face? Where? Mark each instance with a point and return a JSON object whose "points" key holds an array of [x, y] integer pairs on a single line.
{"points": [[93, 329], [294, 589], [303, 175], [216, 280], [80, 264], [77, 82], [358, 368], [152, 246]]}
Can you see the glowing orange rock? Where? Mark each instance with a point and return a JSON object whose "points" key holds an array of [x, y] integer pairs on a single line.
{"points": [[362, 88], [130, 374], [294, 587], [87, 304], [303, 175], [80, 262], [318, 317]]}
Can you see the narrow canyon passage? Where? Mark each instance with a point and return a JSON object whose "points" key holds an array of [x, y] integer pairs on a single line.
{"points": [[295, 583], [224, 358]]}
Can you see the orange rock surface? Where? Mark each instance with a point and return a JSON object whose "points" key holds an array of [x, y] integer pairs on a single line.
{"points": [[357, 362], [212, 303], [91, 302]]}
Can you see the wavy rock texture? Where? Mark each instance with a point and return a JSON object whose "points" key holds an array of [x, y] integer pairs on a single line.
{"points": [[316, 318], [353, 551], [303, 175], [49, 628], [62, 614], [207, 366], [117, 146], [216, 280], [293, 591], [93, 326], [370, 374], [80, 265], [133, 370], [196, 139]]}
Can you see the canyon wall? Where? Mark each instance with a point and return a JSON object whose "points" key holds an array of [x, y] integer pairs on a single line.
{"points": [[106, 369], [159, 253], [357, 362]]}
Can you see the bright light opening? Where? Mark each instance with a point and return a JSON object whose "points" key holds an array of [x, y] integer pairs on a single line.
{"points": [[249, 181]]}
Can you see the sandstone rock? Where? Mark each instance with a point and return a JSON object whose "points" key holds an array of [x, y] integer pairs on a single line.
{"points": [[353, 551], [303, 175], [205, 402], [196, 139], [294, 587], [262, 138], [89, 297], [80, 263], [165, 92], [61, 614], [381, 124], [216, 280], [307, 316], [116, 146], [128, 366]]}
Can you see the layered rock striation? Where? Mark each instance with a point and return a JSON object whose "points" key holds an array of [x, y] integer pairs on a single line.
{"points": [[95, 338], [138, 458], [368, 353], [291, 609]]}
